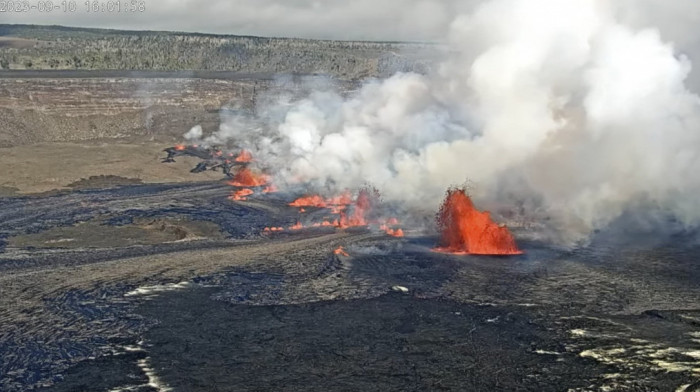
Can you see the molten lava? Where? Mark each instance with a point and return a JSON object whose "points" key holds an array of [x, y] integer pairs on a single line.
{"points": [[336, 203], [241, 194], [309, 201], [342, 200], [180, 147], [466, 230], [341, 251], [244, 157], [246, 178], [362, 206], [340, 205], [394, 232]]}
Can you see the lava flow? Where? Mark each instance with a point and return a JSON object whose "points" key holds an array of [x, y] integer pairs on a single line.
{"points": [[351, 214], [340, 251], [336, 203], [362, 207], [395, 233], [244, 177], [392, 232], [466, 230], [309, 201], [245, 156], [241, 194]]}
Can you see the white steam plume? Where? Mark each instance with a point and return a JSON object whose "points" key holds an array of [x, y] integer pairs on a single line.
{"points": [[556, 105], [195, 133]]}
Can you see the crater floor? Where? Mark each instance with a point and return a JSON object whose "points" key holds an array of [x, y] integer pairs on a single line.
{"points": [[188, 293]]}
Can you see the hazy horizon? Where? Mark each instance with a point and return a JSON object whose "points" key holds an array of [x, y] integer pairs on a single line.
{"points": [[392, 20], [146, 30]]}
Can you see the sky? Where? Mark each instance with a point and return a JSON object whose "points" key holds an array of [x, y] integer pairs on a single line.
{"points": [[421, 20], [385, 20]]}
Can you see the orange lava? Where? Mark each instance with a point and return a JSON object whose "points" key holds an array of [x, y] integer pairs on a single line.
{"points": [[362, 207], [391, 231], [244, 156], [273, 229], [395, 233], [297, 226], [339, 205], [341, 251], [245, 177], [309, 201], [241, 194], [180, 147], [336, 203], [466, 230], [342, 200]]}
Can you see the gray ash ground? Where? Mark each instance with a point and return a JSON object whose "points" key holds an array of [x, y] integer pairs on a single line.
{"points": [[244, 311]]}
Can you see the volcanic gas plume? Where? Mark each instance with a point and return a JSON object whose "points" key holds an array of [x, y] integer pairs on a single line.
{"points": [[563, 108], [466, 230]]}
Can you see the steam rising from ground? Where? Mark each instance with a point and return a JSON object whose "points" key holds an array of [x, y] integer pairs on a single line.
{"points": [[552, 106]]}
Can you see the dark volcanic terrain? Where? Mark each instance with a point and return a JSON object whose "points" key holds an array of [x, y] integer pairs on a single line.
{"points": [[120, 273], [56, 131], [198, 308]]}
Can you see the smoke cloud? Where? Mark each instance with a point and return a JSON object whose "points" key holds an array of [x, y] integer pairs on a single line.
{"points": [[566, 109], [195, 133]]}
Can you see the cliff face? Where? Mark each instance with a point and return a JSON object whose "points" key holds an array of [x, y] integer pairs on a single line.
{"points": [[74, 109], [81, 85], [40, 47], [49, 110]]}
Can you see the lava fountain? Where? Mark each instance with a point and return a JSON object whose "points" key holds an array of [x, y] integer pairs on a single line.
{"points": [[246, 178], [466, 230], [363, 204], [244, 157]]}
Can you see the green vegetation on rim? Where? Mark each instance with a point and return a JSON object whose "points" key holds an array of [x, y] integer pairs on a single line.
{"points": [[57, 47]]}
